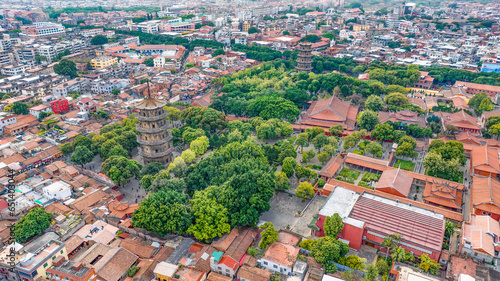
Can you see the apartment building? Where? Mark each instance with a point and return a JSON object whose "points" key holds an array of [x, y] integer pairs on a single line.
{"points": [[103, 61], [42, 30], [39, 255], [74, 85]]}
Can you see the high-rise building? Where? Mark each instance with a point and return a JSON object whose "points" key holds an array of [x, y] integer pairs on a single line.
{"points": [[154, 140], [304, 57]]}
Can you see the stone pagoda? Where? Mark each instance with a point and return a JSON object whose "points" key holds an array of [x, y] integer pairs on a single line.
{"points": [[154, 141], [304, 57]]}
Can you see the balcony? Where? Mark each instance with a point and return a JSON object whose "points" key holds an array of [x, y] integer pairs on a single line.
{"points": [[156, 155], [152, 118], [152, 130], [153, 142]]}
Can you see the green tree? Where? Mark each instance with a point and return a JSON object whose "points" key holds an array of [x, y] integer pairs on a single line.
{"points": [[336, 130], [429, 265], [115, 92], [120, 169], [288, 166], [406, 149], [324, 157], [374, 149], [149, 62], [204, 118], [269, 235], [319, 141], [333, 225], [211, 217], [66, 67], [396, 99], [355, 262], [281, 181], [302, 140], [383, 132], [99, 40], [252, 30], [371, 273], [486, 105], [188, 155], [476, 100], [304, 190], [308, 155], [20, 108], [178, 167], [31, 224], [374, 103], [200, 145], [163, 212], [306, 244], [82, 156], [152, 168], [367, 120], [67, 148], [382, 266], [327, 248]]}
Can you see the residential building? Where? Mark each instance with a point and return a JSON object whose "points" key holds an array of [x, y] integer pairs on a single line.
{"points": [[480, 238], [280, 257], [59, 105], [103, 61], [58, 190], [62, 269], [36, 110], [425, 81], [189, 274], [493, 92], [43, 30], [39, 255], [6, 120], [249, 273], [224, 265], [164, 271], [77, 85], [86, 105]]}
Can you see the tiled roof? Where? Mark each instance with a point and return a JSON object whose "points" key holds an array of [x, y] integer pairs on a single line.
{"points": [[253, 273], [388, 216], [330, 111], [141, 249], [485, 194], [396, 180], [281, 254]]}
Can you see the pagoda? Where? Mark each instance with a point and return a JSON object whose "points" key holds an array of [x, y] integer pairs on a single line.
{"points": [[154, 141], [304, 57]]}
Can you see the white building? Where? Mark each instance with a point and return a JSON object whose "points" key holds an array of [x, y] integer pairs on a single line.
{"points": [[36, 110], [74, 85], [224, 265], [58, 190], [5, 120], [274, 260]]}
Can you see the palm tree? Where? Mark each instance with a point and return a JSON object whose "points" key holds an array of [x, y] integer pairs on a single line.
{"points": [[388, 243]]}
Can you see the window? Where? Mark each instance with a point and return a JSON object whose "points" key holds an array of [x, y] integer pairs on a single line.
{"points": [[275, 266], [227, 270], [265, 262]]}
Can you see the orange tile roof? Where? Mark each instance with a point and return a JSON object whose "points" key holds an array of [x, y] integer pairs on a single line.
{"points": [[396, 180], [476, 232], [485, 194], [485, 158], [281, 254], [229, 262], [359, 189]]}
